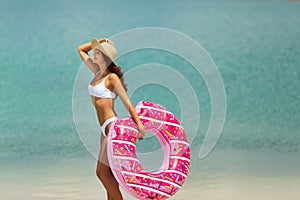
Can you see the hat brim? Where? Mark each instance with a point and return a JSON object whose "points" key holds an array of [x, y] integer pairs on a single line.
{"points": [[96, 45]]}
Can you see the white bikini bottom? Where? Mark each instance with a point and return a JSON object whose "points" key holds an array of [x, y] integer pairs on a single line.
{"points": [[106, 123]]}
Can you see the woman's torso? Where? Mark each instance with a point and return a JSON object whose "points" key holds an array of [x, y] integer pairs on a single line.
{"points": [[104, 99]]}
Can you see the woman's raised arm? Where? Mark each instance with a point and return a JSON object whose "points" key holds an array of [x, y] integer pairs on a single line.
{"points": [[83, 53]]}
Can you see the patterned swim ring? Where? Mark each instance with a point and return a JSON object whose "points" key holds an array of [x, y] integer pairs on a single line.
{"points": [[124, 162]]}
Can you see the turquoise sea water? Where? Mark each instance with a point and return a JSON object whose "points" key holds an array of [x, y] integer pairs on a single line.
{"points": [[255, 45]]}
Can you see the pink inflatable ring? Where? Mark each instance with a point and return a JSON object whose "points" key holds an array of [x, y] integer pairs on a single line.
{"points": [[125, 165]]}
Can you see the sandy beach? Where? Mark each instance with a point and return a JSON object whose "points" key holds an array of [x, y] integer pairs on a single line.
{"points": [[211, 179]]}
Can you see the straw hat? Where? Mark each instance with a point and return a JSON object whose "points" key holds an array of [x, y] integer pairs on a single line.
{"points": [[106, 48]]}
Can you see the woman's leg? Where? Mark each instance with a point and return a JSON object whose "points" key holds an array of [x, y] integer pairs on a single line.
{"points": [[106, 176], [108, 196], [109, 182]]}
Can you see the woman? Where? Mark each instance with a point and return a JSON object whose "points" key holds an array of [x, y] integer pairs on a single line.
{"points": [[107, 84]]}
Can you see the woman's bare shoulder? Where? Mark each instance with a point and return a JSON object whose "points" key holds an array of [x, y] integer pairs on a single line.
{"points": [[113, 77]]}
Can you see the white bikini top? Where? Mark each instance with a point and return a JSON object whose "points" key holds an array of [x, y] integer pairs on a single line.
{"points": [[100, 90]]}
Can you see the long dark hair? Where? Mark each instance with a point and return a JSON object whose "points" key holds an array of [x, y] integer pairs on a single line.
{"points": [[112, 67]]}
